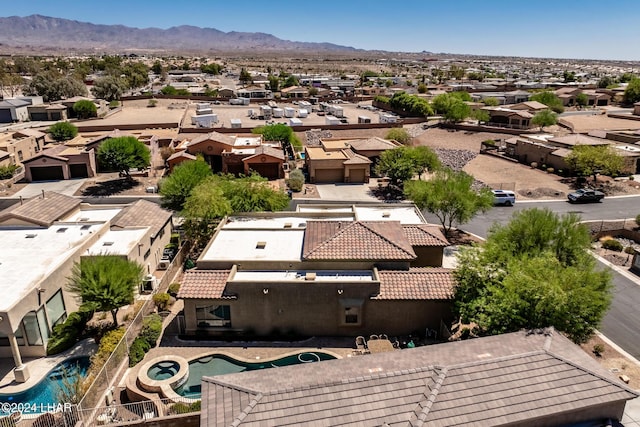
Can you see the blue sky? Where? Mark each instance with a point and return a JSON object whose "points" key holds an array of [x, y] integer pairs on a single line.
{"points": [[586, 29]]}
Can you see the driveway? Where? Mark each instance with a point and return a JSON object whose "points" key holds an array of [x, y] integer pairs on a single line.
{"points": [[67, 186], [346, 192]]}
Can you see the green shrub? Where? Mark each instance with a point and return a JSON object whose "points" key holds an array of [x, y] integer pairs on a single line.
{"points": [[598, 349], [7, 172], [114, 104], [638, 220], [629, 250], [63, 131], [66, 334], [612, 245], [175, 238], [173, 290], [138, 349], [183, 408], [151, 329], [296, 180], [161, 300], [399, 134], [110, 340], [489, 143]]}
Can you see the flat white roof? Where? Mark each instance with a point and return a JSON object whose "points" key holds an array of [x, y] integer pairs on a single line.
{"points": [[91, 215], [26, 261], [245, 140], [305, 208], [276, 223], [239, 245], [117, 242], [403, 214], [300, 275]]}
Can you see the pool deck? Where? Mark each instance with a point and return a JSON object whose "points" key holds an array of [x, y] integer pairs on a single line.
{"points": [[248, 351], [39, 367]]}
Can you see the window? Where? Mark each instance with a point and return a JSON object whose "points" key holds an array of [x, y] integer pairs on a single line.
{"points": [[20, 156], [213, 316], [32, 328], [56, 310], [351, 315]]}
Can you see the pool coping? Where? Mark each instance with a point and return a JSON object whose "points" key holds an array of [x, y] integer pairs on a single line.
{"points": [[167, 391]]}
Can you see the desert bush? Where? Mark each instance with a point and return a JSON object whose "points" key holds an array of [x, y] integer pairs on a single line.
{"points": [[629, 250], [161, 300], [598, 349], [184, 408], [151, 329], [638, 220], [296, 180], [7, 172], [173, 290], [138, 349], [66, 334], [550, 170], [612, 244]]}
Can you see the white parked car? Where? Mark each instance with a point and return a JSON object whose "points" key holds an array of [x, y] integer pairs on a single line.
{"points": [[504, 197]]}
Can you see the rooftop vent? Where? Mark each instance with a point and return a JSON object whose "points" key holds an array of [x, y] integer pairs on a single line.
{"points": [[386, 214], [85, 227], [310, 276], [30, 236], [107, 244], [61, 230], [261, 245], [288, 225]]}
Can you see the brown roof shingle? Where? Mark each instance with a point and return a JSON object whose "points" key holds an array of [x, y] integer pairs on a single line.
{"points": [[424, 235], [205, 284], [142, 213], [358, 240], [416, 284], [42, 211], [499, 380]]}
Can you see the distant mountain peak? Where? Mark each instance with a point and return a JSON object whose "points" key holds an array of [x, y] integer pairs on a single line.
{"points": [[45, 32]]}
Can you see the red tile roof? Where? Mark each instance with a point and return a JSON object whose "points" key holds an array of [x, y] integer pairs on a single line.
{"points": [[205, 284], [425, 235], [416, 284], [359, 240]]}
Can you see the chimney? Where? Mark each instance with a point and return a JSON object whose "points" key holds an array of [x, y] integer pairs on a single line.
{"points": [[43, 193]]}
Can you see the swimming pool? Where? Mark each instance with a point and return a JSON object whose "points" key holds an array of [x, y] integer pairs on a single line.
{"points": [[219, 364], [44, 395]]}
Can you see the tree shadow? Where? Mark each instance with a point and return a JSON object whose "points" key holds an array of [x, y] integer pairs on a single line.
{"points": [[109, 188]]}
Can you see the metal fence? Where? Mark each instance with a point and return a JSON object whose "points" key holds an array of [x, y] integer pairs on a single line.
{"points": [[113, 367], [72, 416]]}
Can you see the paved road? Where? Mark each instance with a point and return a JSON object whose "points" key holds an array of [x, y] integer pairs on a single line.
{"points": [[621, 324]]}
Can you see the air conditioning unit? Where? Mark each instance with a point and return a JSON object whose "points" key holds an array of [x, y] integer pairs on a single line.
{"points": [[149, 284], [164, 264], [109, 399]]}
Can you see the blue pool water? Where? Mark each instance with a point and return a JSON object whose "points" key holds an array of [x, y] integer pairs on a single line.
{"points": [[44, 395], [219, 364]]}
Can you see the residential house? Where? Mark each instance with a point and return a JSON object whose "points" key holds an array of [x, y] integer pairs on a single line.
{"points": [[238, 154], [47, 112], [178, 157], [22, 144], [254, 92], [525, 379], [508, 118], [47, 236], [335, 161], [14, 110], [295, 92], [594, 98], [61, 162], [335, 270]]}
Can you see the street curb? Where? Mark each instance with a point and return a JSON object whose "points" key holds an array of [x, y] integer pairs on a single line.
{"points": [[635, 279], [617, 348]]}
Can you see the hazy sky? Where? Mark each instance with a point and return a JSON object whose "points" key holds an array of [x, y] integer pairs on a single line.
{"points": [[587, 29]]}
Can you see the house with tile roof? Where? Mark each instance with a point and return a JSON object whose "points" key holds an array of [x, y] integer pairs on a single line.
{"points": [[237, 154], [335, 161], [332, 271], [43, 238], [528, 378]]}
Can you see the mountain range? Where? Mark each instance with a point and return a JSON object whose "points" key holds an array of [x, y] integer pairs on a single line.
{"points": [[47, 33]]}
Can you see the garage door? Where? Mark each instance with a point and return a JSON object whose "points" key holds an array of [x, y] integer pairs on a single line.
{"points": [[78, 170], [267, 170], [356, 175], [5, 116], [329, 175], [46, 173]]}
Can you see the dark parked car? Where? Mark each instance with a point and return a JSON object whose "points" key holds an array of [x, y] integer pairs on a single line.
{"points": [[585, 195]]}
